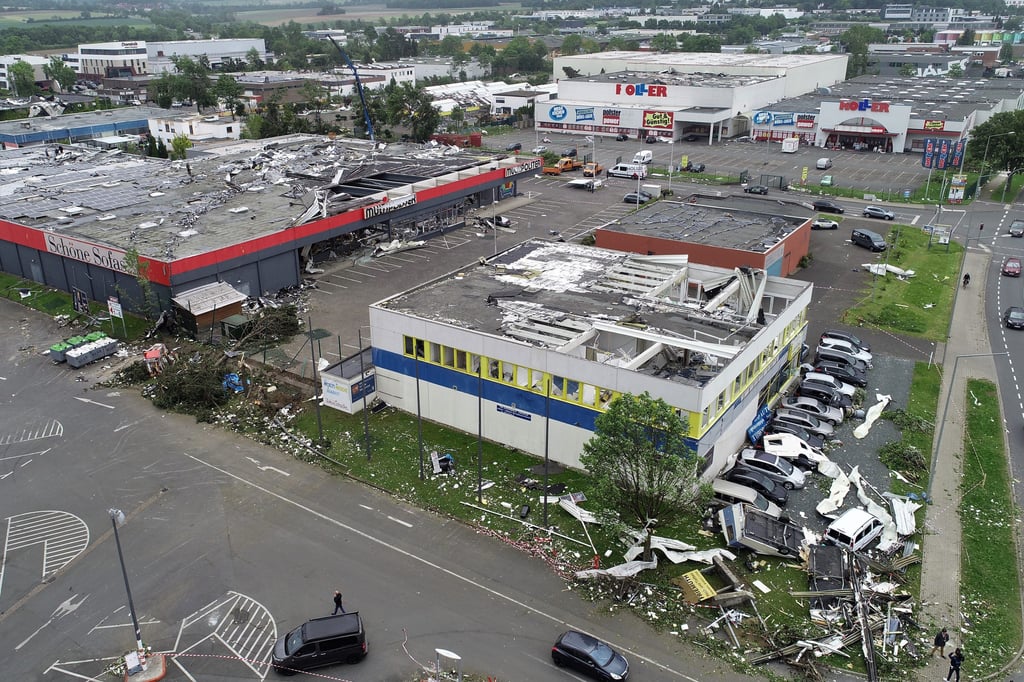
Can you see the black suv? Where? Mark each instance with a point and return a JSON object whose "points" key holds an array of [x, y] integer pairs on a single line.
{"points": [[1017, 228], [826, 206], [752, 478], [513, 146], [844, 373], [590, 656]]}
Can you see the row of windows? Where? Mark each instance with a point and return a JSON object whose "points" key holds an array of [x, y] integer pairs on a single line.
{"points": [[526, 378]]}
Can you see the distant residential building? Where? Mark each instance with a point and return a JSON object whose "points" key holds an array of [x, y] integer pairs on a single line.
{"points": [[8, 60], [135, 58], [197, 127]]}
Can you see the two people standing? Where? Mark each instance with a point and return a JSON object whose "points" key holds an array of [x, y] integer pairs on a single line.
{"points": [[956, 659]]}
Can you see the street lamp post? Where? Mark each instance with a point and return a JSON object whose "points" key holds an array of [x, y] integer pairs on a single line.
{"points": [[117, 518], [984, 159], [671, 143]]}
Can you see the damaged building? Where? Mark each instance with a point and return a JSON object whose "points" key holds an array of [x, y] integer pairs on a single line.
{"points": [[254, 214], [531, 345]]}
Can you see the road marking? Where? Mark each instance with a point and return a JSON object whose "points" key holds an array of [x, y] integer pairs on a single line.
{"points": [[86, 400], [220, 622], [66, 607], [63, 536], [426, 562], [48, 430], [267, 468], [407, 525], [128, 426], [366, 507], [27, 454]]}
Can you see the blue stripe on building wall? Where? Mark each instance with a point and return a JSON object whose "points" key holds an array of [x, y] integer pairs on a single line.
{"points": [[493, 391]]}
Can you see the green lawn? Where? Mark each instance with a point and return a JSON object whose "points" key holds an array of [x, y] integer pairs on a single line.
{"points": [[990, 585], [918, 306]]}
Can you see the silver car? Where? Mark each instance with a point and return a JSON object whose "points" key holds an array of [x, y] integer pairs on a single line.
{"points": [[815, 408], [774, 467], [800, 418]]}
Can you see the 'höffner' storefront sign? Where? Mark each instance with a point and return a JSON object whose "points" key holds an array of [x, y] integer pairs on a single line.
{"points": [[84, 252]]}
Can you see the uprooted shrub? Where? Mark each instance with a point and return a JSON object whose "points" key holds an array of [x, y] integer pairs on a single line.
{"points": [[193, 385]]}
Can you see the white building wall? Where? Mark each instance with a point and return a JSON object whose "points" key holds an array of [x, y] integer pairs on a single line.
{"points": [[508, 423]]}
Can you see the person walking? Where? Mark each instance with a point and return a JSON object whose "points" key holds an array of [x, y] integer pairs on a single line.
{"points": [[337, 603], [956, 659], [941, 638]]}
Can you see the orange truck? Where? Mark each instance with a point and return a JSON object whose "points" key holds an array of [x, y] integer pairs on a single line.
{"points": [[564, 165], [592, 169]]}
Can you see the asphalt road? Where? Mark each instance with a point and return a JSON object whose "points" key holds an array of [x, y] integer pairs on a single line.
{"points": [[229, 544]]}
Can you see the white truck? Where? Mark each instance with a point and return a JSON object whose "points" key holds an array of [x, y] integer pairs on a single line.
{"points": [[790, 145]]}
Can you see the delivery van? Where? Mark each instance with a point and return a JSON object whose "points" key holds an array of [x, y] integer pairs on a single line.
{"points": [[627, 170], [645, 156]]}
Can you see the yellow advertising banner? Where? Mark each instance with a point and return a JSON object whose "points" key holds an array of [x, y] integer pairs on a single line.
{"points": [[658, 119]]}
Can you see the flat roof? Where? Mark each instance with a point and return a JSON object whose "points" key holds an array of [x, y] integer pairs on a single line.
{"points": [[708, 225], [693, 80], [27, 126], [712, 60], [928, 97], [565, 296], [231, 193]]}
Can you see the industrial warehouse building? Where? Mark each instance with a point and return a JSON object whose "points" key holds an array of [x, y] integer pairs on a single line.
{"points": [[253, 215], [670, 95], [707, 233], [531, 345]]}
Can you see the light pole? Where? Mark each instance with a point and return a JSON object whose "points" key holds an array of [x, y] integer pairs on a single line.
{"points": [[984, 159], [670, 145], [117, 518]]}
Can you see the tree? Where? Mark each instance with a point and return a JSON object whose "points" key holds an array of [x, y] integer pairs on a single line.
{"points": [[228, 91], [966, 38], [640, 466], [58, 71], [664, 42], [1005, 150], [573, 44], [1006, 53], [253, 59], [856, 40], [23, 79], [180, 144], [955, 71], [908, 70]]}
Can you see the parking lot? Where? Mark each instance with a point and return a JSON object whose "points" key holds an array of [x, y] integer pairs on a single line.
{"points": [[883, 174]]}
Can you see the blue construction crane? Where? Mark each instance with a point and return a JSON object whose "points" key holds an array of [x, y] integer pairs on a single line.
{"points": [[359, 89]]}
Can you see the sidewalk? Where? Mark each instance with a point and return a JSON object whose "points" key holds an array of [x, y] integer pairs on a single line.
{"points": [[967, 355]]}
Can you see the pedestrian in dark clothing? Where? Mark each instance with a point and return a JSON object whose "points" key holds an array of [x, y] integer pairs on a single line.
{"points": [[956, 659], [337, 603], [941, 637]]}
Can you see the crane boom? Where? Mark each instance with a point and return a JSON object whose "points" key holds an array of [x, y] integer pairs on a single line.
{"points": [[359, 89]]}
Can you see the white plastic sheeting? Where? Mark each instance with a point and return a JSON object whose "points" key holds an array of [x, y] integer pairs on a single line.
{"points": [[872, 414]]}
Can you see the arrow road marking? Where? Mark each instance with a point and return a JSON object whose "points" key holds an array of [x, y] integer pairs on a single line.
{"points": [[267, 468], [86, 400], [66, 607]]}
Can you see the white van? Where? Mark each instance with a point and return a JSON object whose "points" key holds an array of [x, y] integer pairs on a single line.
{"points": [[645, 156], [627, 170], [824, 163], [853, 530]]}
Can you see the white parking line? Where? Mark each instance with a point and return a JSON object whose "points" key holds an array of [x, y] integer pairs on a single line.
{"points": [[437, 567]]}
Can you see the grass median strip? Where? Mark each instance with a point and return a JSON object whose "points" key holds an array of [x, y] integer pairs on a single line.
{"points": [[990, 585]]}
